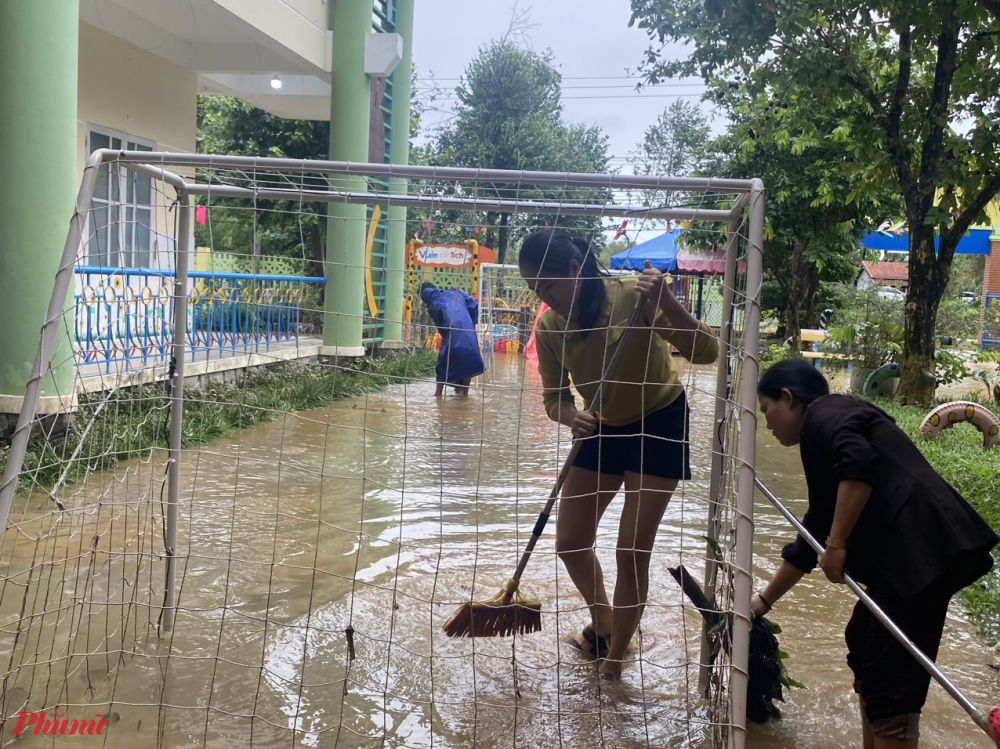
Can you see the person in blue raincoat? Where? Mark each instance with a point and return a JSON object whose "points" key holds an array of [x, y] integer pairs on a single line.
{"points": [[454, 313]]}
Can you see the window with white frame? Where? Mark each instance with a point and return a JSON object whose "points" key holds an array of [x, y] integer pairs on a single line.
{"points": [[121, 217]]}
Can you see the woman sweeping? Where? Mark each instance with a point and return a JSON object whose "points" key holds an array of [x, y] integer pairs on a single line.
{"points": [[639, 437], [453, 312], [891, 522]]}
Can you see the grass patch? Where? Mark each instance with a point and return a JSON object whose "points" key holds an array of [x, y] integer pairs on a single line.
{"points": [[957, 454], [110, 427]]}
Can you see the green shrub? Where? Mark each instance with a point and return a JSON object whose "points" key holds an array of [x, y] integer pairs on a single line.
{"points": [[958, 319], [775, 353], [957, 454]]}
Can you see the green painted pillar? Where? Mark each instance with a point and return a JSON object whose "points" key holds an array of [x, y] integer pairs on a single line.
{"points": [[395, 262], [39, 50], [350, 94]]}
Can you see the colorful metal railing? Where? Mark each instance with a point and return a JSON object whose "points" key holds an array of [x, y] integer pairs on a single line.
{"points": [[124, 316]]}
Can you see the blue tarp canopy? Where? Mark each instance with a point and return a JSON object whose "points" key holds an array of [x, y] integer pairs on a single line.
{"points": [[976, 242], [660, 251]]}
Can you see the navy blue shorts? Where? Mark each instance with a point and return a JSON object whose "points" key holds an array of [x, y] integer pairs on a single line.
{"points": [[656, 445]]}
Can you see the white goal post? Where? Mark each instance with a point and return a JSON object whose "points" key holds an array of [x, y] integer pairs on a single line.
{"points": [[736, 206]]}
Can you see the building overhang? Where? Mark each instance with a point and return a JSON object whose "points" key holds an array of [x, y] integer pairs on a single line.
{"points": [[235, 47]]}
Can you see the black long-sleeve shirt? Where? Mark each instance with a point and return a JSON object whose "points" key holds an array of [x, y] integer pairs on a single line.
{"points": [[915, 529]]}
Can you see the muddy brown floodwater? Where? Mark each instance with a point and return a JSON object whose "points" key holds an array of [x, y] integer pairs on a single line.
{"points": [[381, 515]]}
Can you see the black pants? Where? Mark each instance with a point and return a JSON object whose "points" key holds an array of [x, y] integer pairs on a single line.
{"points": [[890, 680]]}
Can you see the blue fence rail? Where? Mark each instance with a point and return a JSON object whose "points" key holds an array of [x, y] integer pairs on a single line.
{"points": [[991, 322], [124, 316]]}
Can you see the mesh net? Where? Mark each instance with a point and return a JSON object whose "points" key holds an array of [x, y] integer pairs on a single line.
{"points": [[331, 513]]}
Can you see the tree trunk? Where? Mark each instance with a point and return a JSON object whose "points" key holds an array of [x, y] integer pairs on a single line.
{"points": [[928, 278], [781, 332], [502, 241], [794, 289], [318, 246], [793, 328], [812, 297], [490, 235]]}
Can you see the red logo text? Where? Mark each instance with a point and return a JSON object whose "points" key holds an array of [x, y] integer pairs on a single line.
{"points": [[56, 724]]}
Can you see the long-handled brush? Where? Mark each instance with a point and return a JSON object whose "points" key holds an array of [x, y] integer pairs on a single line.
{"points": [[508, 612]]}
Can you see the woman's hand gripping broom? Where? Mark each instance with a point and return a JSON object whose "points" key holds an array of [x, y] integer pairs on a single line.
{"points": [[508, 612]]}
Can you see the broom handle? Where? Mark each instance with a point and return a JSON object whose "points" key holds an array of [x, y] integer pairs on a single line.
{"points": [[543, 517], [974, 712]]}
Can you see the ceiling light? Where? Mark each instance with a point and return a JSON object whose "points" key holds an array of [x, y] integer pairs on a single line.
{"points": [[276, 83]]}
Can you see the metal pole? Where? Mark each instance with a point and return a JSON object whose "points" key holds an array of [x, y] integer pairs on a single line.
{"points": [[974, 712], [482, 293], [468, 174], [743, 563], [438, 203], [722, 386], [177, 353], [43, 358]]}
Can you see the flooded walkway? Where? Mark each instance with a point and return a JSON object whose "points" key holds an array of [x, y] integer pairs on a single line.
{"points": [[380, 516]]}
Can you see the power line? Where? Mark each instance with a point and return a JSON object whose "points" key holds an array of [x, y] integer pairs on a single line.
{"points": [[628, 85], [568, 78], [451, 97], [427, 81]]}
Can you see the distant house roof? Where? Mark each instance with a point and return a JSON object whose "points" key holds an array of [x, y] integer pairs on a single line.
{"points": [[884, 271]]}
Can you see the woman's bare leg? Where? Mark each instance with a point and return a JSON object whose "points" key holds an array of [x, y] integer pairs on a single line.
{"points": [[646, 499], [585, 496]]}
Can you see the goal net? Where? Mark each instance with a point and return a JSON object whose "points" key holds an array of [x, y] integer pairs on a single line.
{"points": [[234, 512]]}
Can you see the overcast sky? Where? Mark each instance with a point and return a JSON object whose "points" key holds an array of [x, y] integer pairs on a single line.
{"points": [[593, 46]]}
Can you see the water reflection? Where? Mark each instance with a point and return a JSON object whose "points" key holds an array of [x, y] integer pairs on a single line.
{"points": [[380, 516]]}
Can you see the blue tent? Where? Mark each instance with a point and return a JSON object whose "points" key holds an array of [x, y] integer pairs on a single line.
{"points": [[660, 251], [976, 242]]}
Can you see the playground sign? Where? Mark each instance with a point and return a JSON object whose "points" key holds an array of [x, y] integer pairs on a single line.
{"points": [[455, 256]]}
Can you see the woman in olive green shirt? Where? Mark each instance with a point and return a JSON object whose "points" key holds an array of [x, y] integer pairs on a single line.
{"points": [[639, 437]]}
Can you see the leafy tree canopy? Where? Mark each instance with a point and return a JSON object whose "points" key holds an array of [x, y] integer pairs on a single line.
{"points": [[911, 90]]}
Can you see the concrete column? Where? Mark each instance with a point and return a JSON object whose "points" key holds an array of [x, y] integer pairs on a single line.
{"points": [[350, 91], [395, 262], [39, 52]]}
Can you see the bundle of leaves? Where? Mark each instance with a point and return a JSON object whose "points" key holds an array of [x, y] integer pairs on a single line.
{"points": [[767, 673]]}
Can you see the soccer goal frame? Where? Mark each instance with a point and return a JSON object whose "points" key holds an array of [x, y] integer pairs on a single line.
{"points": [[747, 209]]}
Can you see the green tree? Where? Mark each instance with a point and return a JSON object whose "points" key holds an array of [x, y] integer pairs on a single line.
{"points": [[911, 89], [672, 147], [815, 217], [230, 126], [509, 116]]}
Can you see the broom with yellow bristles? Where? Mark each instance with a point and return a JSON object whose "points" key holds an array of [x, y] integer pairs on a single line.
{"points": [[508, 612]]}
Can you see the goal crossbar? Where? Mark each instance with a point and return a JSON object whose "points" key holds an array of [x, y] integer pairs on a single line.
{"points": [[744, 198], [464, 174]]}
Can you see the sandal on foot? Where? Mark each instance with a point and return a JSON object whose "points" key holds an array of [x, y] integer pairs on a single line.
{"points": [[599, 644]]}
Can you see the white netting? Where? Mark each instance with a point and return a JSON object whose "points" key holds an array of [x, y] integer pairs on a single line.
{"points": [[331, 512]]}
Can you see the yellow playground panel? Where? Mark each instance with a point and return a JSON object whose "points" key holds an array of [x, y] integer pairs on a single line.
{"points": [[447, 266]]}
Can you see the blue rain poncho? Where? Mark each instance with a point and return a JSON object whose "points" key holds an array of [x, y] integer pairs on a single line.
{"points": [[454, 313]]}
